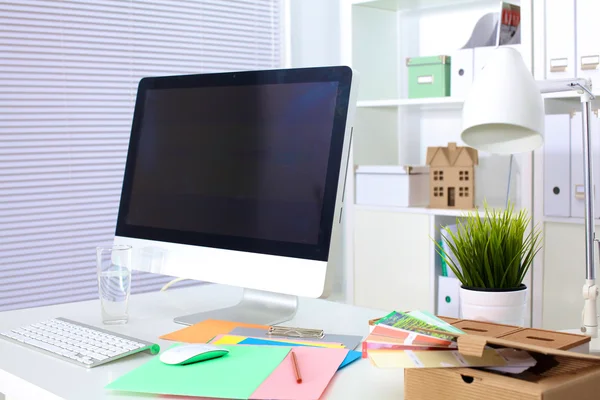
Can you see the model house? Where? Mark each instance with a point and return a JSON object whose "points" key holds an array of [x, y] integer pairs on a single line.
{"points": [[452, 176]]}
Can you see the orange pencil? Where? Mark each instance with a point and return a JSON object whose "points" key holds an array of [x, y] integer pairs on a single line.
{"points": [[296, 368]]}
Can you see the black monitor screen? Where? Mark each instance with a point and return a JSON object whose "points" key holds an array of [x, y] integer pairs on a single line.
{"points": [[237, 163]]}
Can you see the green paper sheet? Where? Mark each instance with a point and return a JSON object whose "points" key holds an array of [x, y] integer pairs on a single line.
{"points": [[234, 376]]}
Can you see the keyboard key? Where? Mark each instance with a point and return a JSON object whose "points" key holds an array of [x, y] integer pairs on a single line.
{"points": [[98, 357]]}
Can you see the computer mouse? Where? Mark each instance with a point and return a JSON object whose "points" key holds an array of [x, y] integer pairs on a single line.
{"points": [[191, 353]]}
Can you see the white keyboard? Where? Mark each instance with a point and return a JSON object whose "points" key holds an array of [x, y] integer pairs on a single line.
{"points": [[78, 343]]}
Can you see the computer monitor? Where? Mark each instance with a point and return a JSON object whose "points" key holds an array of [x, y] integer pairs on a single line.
{"points": [[238, 178]]}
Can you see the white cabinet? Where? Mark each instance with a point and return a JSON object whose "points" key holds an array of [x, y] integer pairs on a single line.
{"points": [[392, 256], [560, 39]]}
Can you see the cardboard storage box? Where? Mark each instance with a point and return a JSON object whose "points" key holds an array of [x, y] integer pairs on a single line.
{"points": [[558, 375], [428, 76], [391, 185]]}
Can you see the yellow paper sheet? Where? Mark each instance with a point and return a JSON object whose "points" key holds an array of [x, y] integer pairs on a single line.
{"points": [[434, 359], [204, 331], [234, 339]]}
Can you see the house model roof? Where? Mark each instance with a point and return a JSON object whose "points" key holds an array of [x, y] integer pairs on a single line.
{"points": [[452, 156]]}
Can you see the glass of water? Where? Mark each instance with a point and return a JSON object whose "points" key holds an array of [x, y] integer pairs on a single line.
{"points": [[114, 282]]}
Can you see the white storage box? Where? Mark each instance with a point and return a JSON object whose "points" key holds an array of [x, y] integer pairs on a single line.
{"points": [[448, 297], [462, 73], [391, 185]]}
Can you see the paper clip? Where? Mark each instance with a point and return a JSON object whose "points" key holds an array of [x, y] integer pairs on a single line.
{"points": [[287, 331]]}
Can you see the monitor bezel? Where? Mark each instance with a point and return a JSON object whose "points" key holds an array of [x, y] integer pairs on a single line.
{"points": [[319, 251]]}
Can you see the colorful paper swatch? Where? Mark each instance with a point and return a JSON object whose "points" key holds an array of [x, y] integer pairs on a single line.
{"points": [[349, 341], [350, 357], [317, 367], [434, 359], [407, 322], [204, 331], [237, 339], [236, 375], [434, 320], [408, 337]]}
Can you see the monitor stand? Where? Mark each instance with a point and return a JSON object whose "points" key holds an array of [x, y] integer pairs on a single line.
{"points": [[256, 307]]}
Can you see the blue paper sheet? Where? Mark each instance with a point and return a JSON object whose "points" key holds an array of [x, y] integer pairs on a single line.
{"points": [[350, 357]]}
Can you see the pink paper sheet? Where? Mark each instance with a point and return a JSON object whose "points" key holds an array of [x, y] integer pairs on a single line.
{"points": [[317, 368]]}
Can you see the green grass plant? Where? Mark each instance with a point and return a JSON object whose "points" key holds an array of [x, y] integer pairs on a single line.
{"points": [[494, 250]]}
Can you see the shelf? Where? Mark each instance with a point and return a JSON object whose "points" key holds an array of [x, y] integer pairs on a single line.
{"points": [[566, 102], [415, 210], [572, 94], [408, 5], [569, 220], [561, 95], [433, 102]]}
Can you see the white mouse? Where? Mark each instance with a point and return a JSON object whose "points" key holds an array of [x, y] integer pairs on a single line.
{"points": [[191, 353]]}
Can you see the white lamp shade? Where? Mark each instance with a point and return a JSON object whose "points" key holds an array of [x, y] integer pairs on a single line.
{"points": [[504, 111]]}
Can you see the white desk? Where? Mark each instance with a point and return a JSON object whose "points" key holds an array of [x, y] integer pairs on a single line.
{"points": [[27, 374]]}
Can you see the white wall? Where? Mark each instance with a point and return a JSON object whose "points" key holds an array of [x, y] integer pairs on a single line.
{"points": [[315, 41], [315, 32]]}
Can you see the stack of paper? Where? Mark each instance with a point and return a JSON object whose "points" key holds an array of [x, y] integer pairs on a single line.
{"points": [[265, 366], [421, 340]]}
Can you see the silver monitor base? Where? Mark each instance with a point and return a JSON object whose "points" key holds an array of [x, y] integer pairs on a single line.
{"points": [[256, 307]]}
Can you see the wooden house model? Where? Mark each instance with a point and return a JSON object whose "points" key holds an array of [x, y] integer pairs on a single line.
{"points": [[452, 176]]}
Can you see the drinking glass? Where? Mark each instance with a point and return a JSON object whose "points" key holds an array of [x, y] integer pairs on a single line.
{"points": [[114, 282]]}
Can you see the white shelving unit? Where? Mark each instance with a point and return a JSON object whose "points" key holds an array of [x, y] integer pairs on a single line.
{"points": [[440, 102], [410, 5], [390, 257], [417, 210]]}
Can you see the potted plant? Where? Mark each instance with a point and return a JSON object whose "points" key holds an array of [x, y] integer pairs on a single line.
{"points": [[492, 254]]}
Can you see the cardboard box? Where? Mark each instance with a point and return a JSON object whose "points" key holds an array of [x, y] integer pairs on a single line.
{"points": [[558, 375], [392, 185], [564, 368]]}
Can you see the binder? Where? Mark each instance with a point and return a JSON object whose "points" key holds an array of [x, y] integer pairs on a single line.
{"points": [[577, 189], [448, 302], [588, 46], [557, 166], [560, 39], [461, 70]]}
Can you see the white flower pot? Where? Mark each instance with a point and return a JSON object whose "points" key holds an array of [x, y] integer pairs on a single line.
{"points": [[502, 307]]}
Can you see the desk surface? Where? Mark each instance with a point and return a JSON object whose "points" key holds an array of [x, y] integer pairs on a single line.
{"points": [[28, 374]]}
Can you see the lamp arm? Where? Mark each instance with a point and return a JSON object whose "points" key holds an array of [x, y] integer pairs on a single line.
{"points": [[589, 323], [585, 88], [565, 85]]}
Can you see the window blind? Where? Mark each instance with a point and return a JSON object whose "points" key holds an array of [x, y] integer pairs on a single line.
{"points": [[68, 77]]}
